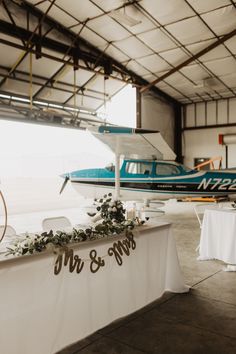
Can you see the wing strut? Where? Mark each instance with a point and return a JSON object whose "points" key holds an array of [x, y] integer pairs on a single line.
{"points": [[117, 169]]}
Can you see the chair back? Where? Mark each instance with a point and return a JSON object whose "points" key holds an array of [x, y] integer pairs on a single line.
{"points": [[9, 234], [10, 231], [199, 210], [56, 223]]}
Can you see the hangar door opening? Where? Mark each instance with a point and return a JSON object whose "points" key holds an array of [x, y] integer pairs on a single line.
{"points": [[33, 157]]}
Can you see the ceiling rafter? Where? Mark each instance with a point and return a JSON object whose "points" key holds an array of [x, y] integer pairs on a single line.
{"points": [[183, 47], [49, 56], [81, 89], [135, 36], [10, 15], [208, 27], [190, 60], [27, 44], [135, 79], [132, 34], [187, 85], [75, 61], [86, 67], [18, 77]]}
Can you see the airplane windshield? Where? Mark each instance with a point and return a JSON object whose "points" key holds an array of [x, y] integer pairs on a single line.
{"points": [[110, 167]]}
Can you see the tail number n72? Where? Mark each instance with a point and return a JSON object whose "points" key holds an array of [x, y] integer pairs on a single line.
{"points": [[218, 183]]}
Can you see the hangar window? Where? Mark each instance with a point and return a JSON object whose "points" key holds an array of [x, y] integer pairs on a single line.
{"points": [[139, 168]]}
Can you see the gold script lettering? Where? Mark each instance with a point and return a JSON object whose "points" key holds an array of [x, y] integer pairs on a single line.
{"points": [[96, 262], [122, 247], [75, 262]]}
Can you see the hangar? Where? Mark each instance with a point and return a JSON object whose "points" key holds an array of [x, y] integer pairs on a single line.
{"points": [[61, 64]]}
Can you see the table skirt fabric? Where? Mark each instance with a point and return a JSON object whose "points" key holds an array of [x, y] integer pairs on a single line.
{"points": [[42, 313], [218, 236]]}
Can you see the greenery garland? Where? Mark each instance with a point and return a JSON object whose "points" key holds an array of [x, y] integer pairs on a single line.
{"points": [[112, 222]]}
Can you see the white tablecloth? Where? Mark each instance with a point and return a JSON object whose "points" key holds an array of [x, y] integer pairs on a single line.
{"points": [[218, 236], [41, 312]]}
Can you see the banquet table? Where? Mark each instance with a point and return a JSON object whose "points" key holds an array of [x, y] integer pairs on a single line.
{"points": [[218, 235], [44, 306]]}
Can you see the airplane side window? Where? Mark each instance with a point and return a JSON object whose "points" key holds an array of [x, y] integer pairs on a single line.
{"points": [[139, 168], [145, 168], [131, 167], [165, 170]]}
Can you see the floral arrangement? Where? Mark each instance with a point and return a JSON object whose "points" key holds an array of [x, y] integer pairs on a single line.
{"points": [[112, 222]]}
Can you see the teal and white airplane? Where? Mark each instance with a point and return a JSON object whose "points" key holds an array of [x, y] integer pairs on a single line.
{"points": [[148, 171]]}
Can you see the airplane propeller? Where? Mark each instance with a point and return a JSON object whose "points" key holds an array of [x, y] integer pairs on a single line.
{"points": [[64, 184]]}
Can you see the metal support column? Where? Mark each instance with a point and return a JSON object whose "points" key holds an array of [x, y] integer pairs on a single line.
{"points": [[178, 133], [117, 169], [226, 157]]}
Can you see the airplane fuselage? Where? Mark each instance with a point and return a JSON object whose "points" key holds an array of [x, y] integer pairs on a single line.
{"points": [[141, 179]]}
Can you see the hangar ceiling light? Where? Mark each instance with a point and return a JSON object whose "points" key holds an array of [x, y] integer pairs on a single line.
{"points": [[210, 83], [123, 18]]}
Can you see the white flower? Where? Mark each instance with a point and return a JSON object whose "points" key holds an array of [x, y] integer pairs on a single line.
{"points": [[25, 243], [111, 204], [109, 209], [114, 209]]}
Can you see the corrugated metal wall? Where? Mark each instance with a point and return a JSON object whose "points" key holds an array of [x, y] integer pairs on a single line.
{"points": [[203, 122]]}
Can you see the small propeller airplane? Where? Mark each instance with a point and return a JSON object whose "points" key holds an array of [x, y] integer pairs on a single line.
{"points": [[148, 171]]}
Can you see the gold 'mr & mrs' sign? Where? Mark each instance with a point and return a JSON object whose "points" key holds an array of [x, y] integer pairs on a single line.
{"points": [[76, 264]]}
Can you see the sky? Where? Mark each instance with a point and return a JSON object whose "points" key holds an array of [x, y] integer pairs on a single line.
{"points": [[32, 150]]}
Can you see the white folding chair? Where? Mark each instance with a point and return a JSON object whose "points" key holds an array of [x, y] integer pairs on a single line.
{"points": [[199, 210], [56, 223], [9, 236], [10, 231]]}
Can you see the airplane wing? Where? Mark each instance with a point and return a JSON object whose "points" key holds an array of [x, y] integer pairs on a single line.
{"points": [[134, 143]]}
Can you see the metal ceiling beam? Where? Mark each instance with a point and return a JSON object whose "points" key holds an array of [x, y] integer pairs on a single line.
{"points": [[53, 45], [35, 39], [28, 45], [33, 10], [23, 76], [118, 67], [190, 60], [65, 90], [81, 89], [63, 61], [9, 15], [64, 66]]}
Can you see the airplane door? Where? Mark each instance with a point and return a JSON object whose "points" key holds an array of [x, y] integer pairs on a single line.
{"points": [[139, 174], [164, 179]]}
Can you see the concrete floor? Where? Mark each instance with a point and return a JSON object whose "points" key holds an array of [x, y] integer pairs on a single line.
{"points": [[202, 321]]}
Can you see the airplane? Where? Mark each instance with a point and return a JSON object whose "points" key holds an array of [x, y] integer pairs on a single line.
{"points": [[148, 171]]}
